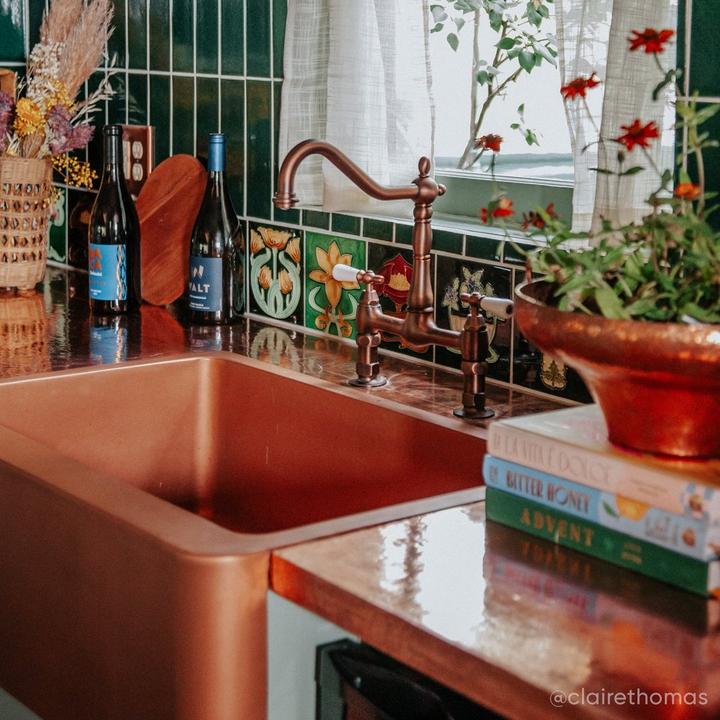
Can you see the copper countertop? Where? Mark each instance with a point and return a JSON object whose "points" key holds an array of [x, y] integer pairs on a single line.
{"points": [[53, 330], [526, 628]]}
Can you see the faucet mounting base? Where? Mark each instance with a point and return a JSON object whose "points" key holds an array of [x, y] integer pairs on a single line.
{"points": [[471, 415], [377, 381]]}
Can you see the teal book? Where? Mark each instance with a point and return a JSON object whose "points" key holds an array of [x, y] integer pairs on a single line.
{"points": [[593, 539], [682, 533]]}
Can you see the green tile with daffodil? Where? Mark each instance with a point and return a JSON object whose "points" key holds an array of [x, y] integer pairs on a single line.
{"points": [[331, 306]]}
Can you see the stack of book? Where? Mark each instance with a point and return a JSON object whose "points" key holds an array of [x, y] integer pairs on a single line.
{"points": [[556, 476]]}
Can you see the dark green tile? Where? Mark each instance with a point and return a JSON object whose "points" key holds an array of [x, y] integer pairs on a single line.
{"points": [[183, 115], [94, 147], [232, 37], [160, 115], [346, 224], [403, 234], [316, 219], [117, 103], [705, 49], [159, 35], [206, 33], [137, 99], [483, 248], [288, 216], [259, 137], [182, 34], [447, 241], [279, 17], [208, 120], [137, 34], [513, 251], [116, 44], [12, 31], [258, 38], [711, 159], [233, 112], [378, 229], [36, 8]]}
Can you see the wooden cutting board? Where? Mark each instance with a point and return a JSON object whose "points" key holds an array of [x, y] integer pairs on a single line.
{"points": [[167, 207]]}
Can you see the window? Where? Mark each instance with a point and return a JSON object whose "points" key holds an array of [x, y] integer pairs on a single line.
{"points": [[515, 35]]}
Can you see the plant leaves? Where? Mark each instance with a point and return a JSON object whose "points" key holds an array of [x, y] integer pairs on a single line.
{"points": [[610, 304], [506, 43], [526, 60], [453, 41]]}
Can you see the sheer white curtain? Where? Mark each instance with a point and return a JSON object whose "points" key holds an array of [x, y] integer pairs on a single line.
{"points": [[357, 74], [592, 37]]}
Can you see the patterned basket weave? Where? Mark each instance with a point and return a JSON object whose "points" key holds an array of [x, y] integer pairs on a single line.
{"points": [[24, 345], [25, 189]]}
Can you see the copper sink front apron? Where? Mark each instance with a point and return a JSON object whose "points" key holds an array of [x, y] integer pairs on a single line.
{"points": [[139, 504]]}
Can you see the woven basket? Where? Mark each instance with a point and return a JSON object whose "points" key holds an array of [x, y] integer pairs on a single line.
{"points": [[24, 328], [25, 190]]}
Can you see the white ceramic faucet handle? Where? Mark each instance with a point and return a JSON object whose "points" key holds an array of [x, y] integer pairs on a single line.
{"points": [[345, 273], [500, 307]]}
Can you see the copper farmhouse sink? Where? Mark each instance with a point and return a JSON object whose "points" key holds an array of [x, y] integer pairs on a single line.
{"points": [[139, 504]]}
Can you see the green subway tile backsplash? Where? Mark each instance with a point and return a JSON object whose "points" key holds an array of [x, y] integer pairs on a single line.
{"points": [[160, 114], [232, 37], [206, 34], [259, 151], [206, 108], [279, 16], [378, 229], [258, 38], [159, 35], [228, 41], [183, 112], [137, 99], [182, 35], [137, 34], [12, 31], [232, 123]]}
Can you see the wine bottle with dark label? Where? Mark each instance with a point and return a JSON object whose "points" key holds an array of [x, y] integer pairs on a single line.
{"points": [[114, 236], [215, 285]]}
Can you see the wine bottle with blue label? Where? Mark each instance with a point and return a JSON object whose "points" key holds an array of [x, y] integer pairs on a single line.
{"points": [[215, 286], [114, 236]]}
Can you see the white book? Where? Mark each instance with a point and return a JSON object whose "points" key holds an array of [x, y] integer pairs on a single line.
{"points": [[572, 444]]}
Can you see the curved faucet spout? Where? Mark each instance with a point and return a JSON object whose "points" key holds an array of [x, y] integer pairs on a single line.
{"points": [[285, 197]]}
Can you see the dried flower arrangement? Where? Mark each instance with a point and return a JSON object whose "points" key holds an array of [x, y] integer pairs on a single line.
{"points": [[44, 119]]}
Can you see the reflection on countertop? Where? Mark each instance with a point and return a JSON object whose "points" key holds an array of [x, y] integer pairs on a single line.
{"points": [[507, 619], [53, 330]]}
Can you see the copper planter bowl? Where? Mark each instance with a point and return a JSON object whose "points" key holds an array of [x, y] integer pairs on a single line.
{"points": [[658, 384]]}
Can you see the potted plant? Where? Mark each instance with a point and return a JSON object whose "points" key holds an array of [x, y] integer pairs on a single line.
{"points": [[41, 122], [635, 308]]}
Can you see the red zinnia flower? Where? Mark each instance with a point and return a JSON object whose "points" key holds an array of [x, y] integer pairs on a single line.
{"points": [[579, 86], [535, 219], [500, 209], [489, 142], [652, 40], [687, 191], [638, 134]]}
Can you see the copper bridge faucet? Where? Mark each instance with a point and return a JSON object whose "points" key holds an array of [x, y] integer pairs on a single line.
{"points": [[417, 328]]}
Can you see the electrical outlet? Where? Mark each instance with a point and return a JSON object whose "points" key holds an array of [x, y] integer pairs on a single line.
{"points": [[138, 155]]}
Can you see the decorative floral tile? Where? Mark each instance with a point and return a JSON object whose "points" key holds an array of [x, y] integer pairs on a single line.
{"points": [[275, 272], [395, 265], [456, 276], [57, 248], [331, 306]]}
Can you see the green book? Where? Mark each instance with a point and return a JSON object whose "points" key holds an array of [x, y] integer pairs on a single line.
{"points": [[593, 539]]}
